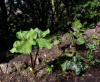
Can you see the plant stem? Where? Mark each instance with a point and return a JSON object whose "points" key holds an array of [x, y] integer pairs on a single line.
{"points": [[32, 61], [33, 64], [35, 58]]}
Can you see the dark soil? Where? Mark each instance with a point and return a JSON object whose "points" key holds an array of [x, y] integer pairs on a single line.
{"points": [[41, 74]]}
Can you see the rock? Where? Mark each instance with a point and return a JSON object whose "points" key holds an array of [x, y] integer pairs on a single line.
{"points": [[97, 54], [11, 70], [24, 58], [4, 67], [7, 69], [97, 30], [98, 24], [19, 65], [89, 32]]}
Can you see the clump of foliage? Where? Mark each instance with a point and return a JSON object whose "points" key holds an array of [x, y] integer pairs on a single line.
{"points": [[72, 58], [69, 61], [76, 34], [88, 12], [75, 63], [34, 38]]}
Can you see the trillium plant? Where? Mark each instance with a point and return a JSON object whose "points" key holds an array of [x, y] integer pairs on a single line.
{"points": [[27, 40]]}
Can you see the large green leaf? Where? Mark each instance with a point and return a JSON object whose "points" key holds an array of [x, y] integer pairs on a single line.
{"points": [[77, 33], [44, 43], [80, 41], [77, 25], [39, 32], [31, 34], [21, 35], [24, 46], [45, 33], [32, 38]]}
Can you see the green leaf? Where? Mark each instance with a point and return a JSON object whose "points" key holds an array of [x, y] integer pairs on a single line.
{"points": [[56, 42], [13, 50], [94, 36], [49, 68], [76, 67], [39, 32], [45, 33], [77, 33], [77, 25], [21, 35], [62, 38], [80, 41], [44, 43], [69, 54], [24, 46], [32, 38], [31, 34], [63, 66], [68, 65]]}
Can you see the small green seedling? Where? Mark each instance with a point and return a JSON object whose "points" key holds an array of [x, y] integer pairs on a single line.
{"points": [[49, 67], [27, 40]]}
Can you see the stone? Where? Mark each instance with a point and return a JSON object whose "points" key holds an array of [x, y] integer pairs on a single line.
{"points": [[98, 24], [97, 30], [19, 65], [89, 32], [4, 67], [10, 70]]}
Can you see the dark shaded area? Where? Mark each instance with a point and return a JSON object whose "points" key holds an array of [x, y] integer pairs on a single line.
{"points": [[25, 14]]}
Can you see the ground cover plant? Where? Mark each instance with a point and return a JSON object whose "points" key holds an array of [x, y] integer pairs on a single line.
{"points": [[71, 59]]}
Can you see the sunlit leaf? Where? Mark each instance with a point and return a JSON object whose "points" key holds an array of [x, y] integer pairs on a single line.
{"points": [[21, 35], [69, 54], [56, 42], [24, 47], [30, 39], [80, 41], [31, 34], [63, 66], [45, 33], [44, 43], [77, 25]]}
